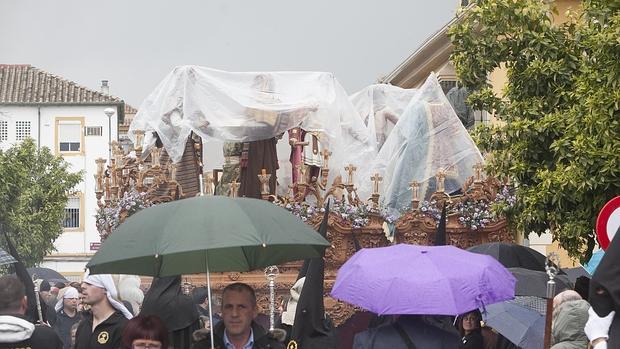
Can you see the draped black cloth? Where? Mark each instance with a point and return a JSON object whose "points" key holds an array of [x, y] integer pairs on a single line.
{"points": [[605, 289], [166, 300]]}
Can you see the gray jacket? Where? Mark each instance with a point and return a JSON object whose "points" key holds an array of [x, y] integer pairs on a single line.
{"points": [[568, 326]]}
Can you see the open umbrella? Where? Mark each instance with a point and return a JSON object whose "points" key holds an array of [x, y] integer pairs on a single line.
{"points": [[574, 273], [523, 327], [410, 279], [48, 274], [534, 283], [204, 234], [6, 258], [214, 233], [512, 255]]}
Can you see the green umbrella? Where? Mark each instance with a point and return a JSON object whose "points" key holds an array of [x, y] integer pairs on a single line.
{"points": [[203, 234], [206, 233]]}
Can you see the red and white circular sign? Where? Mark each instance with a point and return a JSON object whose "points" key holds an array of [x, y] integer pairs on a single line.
{"points": [[608, 222]]}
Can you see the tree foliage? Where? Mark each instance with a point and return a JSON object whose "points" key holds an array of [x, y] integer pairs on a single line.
{"points": [[33, 191], [559, 130]]}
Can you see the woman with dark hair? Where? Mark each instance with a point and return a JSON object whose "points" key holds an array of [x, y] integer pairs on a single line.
{"points": [[145, 332], [469, 327]]}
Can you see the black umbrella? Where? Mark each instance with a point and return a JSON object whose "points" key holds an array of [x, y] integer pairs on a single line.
{"points": [[6, 258], [46, 274], [512, 255], [574, 273], [534, 283]]}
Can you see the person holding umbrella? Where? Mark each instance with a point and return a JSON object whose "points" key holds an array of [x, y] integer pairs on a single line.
{"points": [[237, 330]]}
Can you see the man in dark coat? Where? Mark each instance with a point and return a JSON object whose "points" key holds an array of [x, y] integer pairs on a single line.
{"points": [[15, 330], [66, 314], [408, 328], [237, 328], [603, 326], [102, 327], [177, 310]]}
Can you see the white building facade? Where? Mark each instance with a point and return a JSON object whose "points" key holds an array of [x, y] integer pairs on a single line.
{"points": [[73, 122]]}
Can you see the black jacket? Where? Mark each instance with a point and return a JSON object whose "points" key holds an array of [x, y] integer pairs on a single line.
{"points": [[107, 335], [43, 337], [262, 339], [473, 340], [63, 326]]}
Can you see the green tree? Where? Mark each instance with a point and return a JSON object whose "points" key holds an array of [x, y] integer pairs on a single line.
{"points": [[559, 130], [33, 191]]}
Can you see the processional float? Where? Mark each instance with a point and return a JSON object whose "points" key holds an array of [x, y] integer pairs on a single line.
{"points": [[358, 216]]}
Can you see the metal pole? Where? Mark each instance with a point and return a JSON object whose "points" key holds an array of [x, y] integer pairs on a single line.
{"points": [[209, 295], [272, 272], [552, 266]]}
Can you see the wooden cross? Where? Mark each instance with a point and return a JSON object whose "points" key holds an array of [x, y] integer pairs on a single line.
{"points": [[478, 167], [415, 187], [441, 178], [264, 178], [233, 189], [208, 184], [326, 154], [376, 179], [350, 169]]}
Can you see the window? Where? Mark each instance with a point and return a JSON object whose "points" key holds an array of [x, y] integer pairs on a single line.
{"points": [[94, 130], [72, 213], [4, 131], [22, 130], [447, 85], [69, 135]]}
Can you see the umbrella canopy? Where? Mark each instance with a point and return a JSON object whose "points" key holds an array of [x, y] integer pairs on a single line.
{"points": [[6, 258], [207, 233], [410, 279], [574, 273], [523, 327], [46, 274], [534, 283], [512, 255]]}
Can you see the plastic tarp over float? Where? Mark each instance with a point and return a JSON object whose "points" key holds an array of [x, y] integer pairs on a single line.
{"points": [[427, 137], [241, 107], [404, 135]]}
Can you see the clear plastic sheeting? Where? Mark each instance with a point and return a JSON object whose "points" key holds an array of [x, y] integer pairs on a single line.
{"points": [[243, 107], [428, 137], [380, 106]]}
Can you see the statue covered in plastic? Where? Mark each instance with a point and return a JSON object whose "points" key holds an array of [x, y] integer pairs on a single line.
{"points": [[429, 140], [380, 106], [253, 107]]}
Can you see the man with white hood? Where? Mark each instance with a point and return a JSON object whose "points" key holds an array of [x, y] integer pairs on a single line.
{"points": [[103, 326], [15, 330], [66, 314]]}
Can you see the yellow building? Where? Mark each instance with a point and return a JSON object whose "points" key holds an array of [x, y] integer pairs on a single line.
{"points": [[434, 56]]}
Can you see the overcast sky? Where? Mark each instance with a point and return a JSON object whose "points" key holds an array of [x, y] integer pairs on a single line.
{"points": [[135, 43]]}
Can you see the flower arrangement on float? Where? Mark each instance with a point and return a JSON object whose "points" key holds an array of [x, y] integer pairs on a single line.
{"points": [[109, 217], [355, 215]]}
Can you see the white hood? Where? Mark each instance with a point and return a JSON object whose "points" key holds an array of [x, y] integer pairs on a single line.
{"points": [[14, 329]]}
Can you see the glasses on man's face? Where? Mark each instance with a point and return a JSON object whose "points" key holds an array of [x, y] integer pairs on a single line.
{"points": [[146, 346]]}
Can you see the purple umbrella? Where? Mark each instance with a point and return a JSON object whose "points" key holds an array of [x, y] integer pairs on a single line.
{"points": [[411, 279]]}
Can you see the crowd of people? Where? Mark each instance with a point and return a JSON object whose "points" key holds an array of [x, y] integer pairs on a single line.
{"points": [[98, 314], [89, 315]]}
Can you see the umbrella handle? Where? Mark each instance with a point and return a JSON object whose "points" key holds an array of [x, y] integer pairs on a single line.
{"points": [[210, 300]]}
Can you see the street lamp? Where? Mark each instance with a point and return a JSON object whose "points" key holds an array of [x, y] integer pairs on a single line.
{"points": [[109, 112]]}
